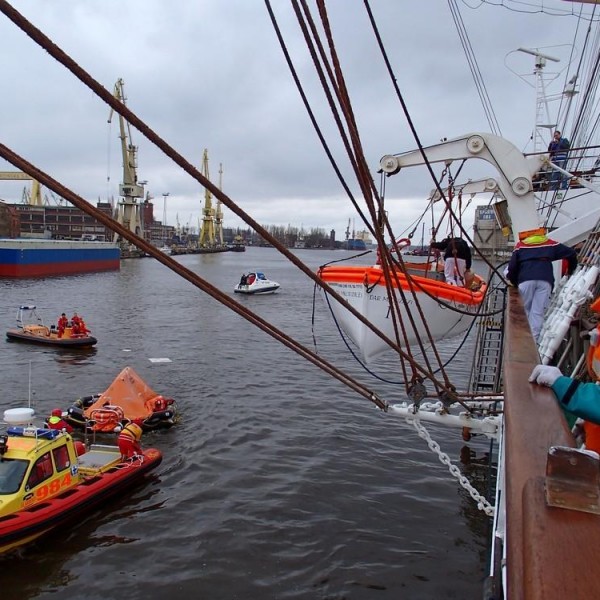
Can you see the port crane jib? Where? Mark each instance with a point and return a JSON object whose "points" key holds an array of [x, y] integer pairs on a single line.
{"points": [[128, 209]]}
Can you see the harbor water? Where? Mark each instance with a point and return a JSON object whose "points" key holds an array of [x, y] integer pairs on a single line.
{"points": [[278, 482]]}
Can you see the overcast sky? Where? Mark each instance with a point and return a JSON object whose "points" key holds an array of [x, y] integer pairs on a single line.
{"points": [[211, 74]]}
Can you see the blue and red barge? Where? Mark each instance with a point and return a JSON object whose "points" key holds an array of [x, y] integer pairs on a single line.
{"points": [[24, 257]]}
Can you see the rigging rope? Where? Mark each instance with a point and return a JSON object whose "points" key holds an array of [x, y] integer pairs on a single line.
{"points": [[475, 71], [41, 39], [189, 275]]}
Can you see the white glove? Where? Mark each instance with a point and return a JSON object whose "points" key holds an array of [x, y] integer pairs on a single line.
{"points": [[545, 375]]}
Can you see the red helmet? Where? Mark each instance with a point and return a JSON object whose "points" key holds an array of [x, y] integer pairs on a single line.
{"points": [[57, 412]]}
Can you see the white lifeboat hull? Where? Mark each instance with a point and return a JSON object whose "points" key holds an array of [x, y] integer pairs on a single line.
{"points": [[364, 289]]}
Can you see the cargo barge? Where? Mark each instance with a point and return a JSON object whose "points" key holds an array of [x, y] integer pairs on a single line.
{"points": [[23, 257]]}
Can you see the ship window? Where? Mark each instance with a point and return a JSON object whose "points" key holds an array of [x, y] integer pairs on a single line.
{"points": [[42, 469], [11, 475], [61, 458]]}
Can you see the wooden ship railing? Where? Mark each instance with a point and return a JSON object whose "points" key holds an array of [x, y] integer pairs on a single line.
{"points": [[552, 553]]}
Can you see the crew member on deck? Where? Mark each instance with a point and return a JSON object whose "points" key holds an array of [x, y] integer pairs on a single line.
{"points": [[530, 269], [129, 440]]}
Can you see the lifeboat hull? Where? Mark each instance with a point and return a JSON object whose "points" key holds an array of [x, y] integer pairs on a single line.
{"points": [[364, 289]]}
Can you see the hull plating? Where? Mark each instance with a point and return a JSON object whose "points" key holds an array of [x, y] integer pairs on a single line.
{"points": [[43, 258]]}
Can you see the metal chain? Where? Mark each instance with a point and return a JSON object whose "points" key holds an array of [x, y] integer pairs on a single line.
{"points": [[482, 503]]}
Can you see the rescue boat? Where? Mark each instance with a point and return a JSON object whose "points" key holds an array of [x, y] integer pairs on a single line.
{"points": [[364, 288], [128, 398], [48, 480], [31, 328], [256, 283]]}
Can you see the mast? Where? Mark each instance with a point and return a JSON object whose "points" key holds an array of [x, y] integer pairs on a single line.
{"points": [[128, 208], [219, 214], [542, 109], [164, 218]]}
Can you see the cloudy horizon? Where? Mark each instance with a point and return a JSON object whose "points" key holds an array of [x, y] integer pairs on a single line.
{"points": [[212, 75]]}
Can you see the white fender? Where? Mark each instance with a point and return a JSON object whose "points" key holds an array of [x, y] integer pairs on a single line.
{"points": [[572, 293]]}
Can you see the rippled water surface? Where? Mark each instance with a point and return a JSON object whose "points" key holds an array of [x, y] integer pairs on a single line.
{"points": [[279, 482]]}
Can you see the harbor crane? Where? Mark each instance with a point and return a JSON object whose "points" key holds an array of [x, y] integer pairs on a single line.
{"points": [[34, 197], [207, 231], [130, 190]]}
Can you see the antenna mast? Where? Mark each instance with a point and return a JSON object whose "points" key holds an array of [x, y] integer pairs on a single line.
{"points": [[542, 111]]}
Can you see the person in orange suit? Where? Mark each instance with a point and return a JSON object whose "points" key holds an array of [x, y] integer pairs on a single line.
{"points": [[129, 440], [83, 330], [62, 324]]}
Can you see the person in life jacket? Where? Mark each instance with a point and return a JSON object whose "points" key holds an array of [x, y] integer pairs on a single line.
{"points": [[62, 324], [55, 421], [83, 330], [530, 269], [129, 440], [76, 324]]}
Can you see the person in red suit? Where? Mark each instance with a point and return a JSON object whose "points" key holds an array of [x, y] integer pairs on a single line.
{"points": [[76, 324], [62, 324], [83, 330], [129, 440], [55, 421]]}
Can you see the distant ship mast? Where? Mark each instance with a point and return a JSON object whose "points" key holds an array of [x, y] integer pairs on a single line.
{"points": [[219, 214]]}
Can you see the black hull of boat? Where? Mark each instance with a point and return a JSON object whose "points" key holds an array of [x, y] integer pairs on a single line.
{"points": [[17, 336]]}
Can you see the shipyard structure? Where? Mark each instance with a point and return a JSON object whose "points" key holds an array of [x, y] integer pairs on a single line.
{"points": [[66, 222]]}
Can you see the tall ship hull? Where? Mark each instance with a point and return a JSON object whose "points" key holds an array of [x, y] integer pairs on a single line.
{"points": [[44, 258]]}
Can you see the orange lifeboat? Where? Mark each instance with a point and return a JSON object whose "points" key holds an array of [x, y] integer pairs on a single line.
{"points": [[364, 288]]}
